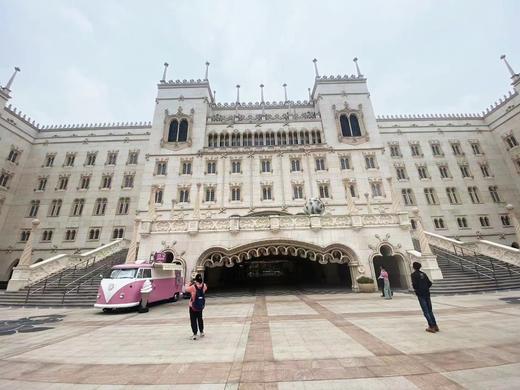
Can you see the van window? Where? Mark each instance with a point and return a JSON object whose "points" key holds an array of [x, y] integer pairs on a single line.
{"points": [[147, 273], [123, 273]]}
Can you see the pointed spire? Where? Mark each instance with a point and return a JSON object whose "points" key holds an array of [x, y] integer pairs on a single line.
{"points": [[238, 93], [316, 67], [163, 80], [357, 67], [262, 93], [310, 97], [514, 76], [285, 91], [10, 82], [214, 96], [206, 74]]}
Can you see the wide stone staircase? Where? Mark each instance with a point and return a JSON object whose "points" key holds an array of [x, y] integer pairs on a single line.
{"points": [[73, 286], [467, 272]]}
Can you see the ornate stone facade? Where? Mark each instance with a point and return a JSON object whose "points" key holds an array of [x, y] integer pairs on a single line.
{"points": [[231, 180]]}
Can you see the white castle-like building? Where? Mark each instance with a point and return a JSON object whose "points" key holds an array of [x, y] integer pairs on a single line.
{"points": [[225, 184]]}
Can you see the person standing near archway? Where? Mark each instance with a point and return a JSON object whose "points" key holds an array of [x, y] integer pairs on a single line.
{"points": [[421, 284], [386, 283], [197, 289]]}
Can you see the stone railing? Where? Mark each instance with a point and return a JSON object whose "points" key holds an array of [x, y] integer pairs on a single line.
{"points": [[483, 247], [24, 276], [275, 222]]}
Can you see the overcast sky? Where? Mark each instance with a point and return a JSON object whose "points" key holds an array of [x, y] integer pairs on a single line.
{"points": [[100, 60]]}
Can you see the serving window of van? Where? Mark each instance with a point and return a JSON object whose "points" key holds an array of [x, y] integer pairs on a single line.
{"points": [[144, 273]]}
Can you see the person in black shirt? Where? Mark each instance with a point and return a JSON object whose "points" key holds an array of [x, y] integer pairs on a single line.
{"points": [[421, 284]]}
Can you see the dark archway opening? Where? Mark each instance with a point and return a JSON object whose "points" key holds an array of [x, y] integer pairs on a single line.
{"points": [[278, 272], [168, 257], [394, 265]]}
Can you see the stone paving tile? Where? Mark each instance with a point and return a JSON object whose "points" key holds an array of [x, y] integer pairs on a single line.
{"points": [[351, 384], [294, 308], [147, 344], [267, 342], [496, 378], [434, 381], [376, 305], [312, 339], [457, 332], [24, 385]]}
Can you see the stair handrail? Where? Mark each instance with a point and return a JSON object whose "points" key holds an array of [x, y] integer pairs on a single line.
{"points": [[500, 264], [63, 273], [77, 258], [94, 271], [476, 266], [83, 264]]}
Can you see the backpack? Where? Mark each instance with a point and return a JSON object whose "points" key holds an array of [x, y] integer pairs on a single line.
{"points": [[200, 301]]}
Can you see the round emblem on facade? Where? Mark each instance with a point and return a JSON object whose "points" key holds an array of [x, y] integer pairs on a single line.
{"points": [[314, 206]]}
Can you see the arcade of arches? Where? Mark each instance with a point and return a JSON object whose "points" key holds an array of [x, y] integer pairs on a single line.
{"points": [[284, 264], [294, 264]]}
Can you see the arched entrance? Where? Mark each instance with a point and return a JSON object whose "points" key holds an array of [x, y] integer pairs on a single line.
{"points": [[394, 263], [277, 264], [172, 257]]}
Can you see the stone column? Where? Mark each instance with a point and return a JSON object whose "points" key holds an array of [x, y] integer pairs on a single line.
{"points": [[151, 202], [26, 258], [22, 272], [512, 216], [369, 207], [396, 204], [350, 201], [196, 206], [354, 275], [223, 184], [309, 174], [423, 240], [280, 155], [132, 249]]}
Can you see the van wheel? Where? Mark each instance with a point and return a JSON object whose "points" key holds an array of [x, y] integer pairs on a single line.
{"points": [[175, 297], [107, 310]]}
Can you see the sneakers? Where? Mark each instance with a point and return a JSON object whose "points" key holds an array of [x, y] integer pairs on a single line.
{"points": [[201, 334], [436, 328], [430, 330], [194, 337]]}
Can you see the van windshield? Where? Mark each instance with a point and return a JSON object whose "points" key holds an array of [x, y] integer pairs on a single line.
{"points": [[123, 273]]}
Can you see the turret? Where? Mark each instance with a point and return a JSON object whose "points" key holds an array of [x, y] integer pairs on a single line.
{"points": [[5, 91], [515, 77]]}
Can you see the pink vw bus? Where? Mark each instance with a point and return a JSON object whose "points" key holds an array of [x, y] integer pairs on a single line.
{"points": [[123, 287]]}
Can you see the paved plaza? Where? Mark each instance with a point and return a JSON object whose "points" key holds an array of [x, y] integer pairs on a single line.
{"points": [[269, 341]]}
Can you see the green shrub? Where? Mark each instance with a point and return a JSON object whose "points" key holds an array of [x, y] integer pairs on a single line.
{"points": [[365, 280]]}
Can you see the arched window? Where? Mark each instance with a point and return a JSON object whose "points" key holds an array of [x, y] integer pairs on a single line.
{"points": [[226, 140], [183, 131], [354, 124], [210, 141], [173, 131], [345, 126], [248, 139], [307, 139], [318, 136]]}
